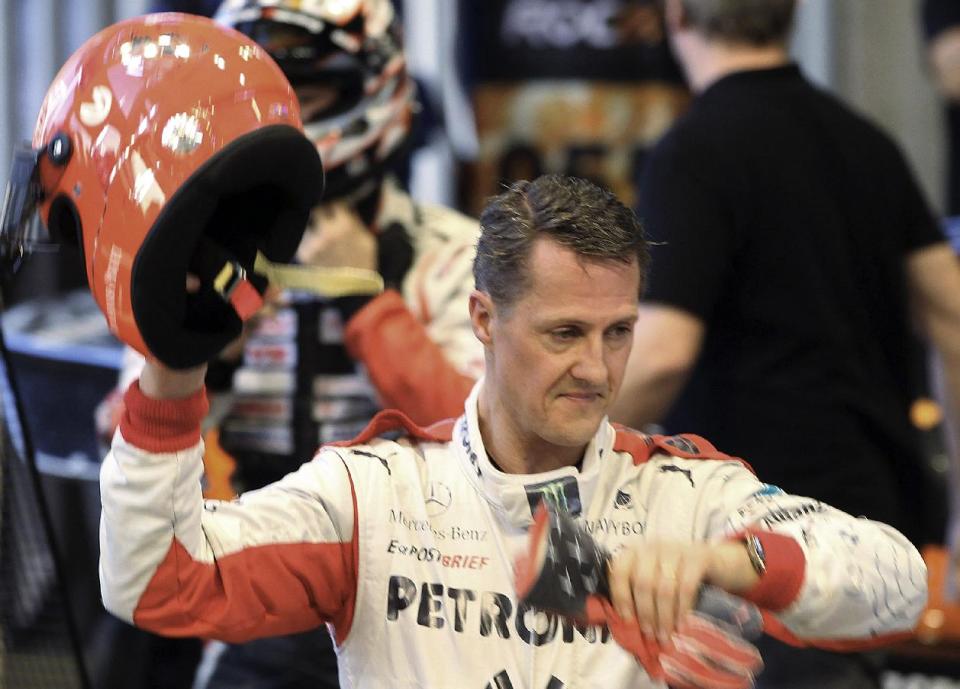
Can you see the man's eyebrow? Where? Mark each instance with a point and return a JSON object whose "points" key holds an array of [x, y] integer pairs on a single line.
{"points": [[559, 321]]}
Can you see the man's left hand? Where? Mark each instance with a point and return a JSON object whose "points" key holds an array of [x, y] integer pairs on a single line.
{"points": [[657, 583]]}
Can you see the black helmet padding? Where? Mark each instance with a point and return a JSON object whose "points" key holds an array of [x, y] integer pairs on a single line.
{"points": [[254, 195]]}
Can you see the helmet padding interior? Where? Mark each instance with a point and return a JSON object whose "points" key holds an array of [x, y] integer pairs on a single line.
{"points": [[254, 195]]}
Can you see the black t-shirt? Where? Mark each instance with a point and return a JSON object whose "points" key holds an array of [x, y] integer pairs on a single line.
{"points": [[784, 220]]}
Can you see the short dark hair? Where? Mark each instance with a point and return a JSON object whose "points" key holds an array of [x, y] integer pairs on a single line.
{"points": [[752, 22], [570, 211]]}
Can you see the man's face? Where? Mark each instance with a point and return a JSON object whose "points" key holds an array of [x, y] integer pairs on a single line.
{"points": [[558, 353]]}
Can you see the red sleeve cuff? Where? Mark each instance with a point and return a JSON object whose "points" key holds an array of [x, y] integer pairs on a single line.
{"points": [[786, 565], [162, 425]]}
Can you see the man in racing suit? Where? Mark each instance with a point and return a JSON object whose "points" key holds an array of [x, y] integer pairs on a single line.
{"points": [[404, 547]]}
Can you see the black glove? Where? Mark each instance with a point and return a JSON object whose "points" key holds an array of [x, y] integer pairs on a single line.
{"points": [[394, 258], [394, 255]]}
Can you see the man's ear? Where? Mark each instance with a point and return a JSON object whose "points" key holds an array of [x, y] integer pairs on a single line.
{"points": [[482, 312]]}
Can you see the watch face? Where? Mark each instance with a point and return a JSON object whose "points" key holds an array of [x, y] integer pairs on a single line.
{"points": [[757, 556]]}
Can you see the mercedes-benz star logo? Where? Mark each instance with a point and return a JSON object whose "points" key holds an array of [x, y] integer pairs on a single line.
{"points": [[438, 499]]}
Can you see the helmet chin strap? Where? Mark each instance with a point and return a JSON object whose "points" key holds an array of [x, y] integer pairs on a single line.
{"points": [[324, 282], [244, 289]]}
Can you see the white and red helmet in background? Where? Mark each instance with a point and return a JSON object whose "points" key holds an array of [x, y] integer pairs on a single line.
{"points": [[345, 60], [166, 145]]}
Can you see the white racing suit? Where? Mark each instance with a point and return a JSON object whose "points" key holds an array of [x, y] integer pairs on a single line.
{"points": [[405, 548]]}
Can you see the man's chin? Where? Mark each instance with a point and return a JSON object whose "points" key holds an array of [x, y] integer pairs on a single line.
{"points": [[575, 432]]}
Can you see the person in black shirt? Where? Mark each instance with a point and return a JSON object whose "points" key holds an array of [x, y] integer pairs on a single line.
{"points": [[789, 237]]}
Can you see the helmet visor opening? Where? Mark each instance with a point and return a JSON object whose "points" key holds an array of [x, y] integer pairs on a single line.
{"points": [[324, 98], [328, 80], [63, 222]]}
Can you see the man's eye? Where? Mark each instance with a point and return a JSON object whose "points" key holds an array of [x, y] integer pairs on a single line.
{"points": [[565, 333], [621, 331]]}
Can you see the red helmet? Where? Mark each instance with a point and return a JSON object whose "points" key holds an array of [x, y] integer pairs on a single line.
{"points": [[169, 144]]}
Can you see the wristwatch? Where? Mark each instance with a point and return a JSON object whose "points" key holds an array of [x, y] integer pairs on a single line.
{"points": [[755, 552]]}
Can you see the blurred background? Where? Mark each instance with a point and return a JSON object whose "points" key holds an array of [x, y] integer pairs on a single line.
{"points": [[869, 52], [509, 89]]}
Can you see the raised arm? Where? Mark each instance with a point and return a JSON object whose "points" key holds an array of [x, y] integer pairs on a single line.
{"points": [[277, 560]]}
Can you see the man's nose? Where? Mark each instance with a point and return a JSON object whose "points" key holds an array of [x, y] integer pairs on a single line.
{"points": [[591, 365]]}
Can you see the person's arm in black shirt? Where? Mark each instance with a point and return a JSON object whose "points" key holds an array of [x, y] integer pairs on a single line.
{"points": [[933, 275], [666, 343], [934, 279]]}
